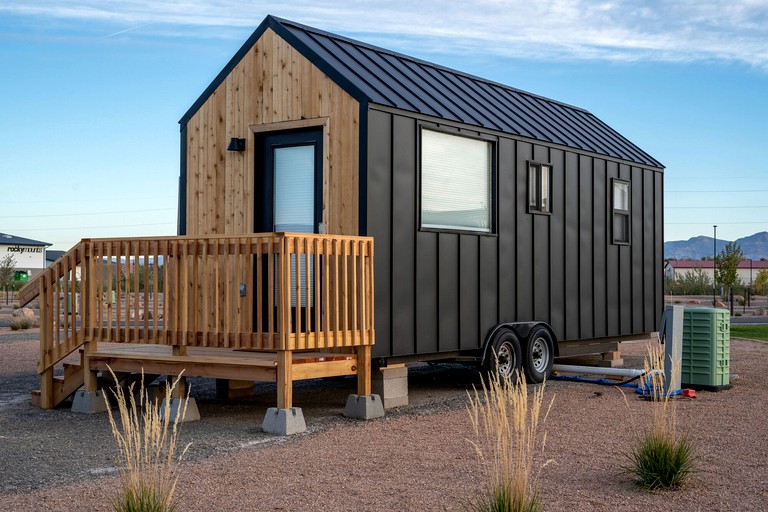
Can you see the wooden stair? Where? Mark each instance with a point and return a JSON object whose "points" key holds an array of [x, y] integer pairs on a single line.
{"points": [[64, 386]]}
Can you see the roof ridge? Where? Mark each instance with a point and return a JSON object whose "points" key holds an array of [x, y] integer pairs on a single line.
{"points": [[422, 62]]}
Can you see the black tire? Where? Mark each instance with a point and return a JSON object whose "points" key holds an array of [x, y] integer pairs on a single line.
{"points": [[504, 355], [539, 354]]}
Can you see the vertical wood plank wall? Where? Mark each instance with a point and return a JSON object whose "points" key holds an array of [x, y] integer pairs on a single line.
{"points": [[443, 291], [272, 83]]}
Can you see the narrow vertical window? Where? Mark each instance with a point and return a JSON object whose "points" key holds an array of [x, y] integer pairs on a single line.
{"points": [[456, 182], [539, 179], [621, 232]]}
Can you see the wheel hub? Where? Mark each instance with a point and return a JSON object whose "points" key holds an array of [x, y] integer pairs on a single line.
{"points": [[506, 360], [540, 354]]}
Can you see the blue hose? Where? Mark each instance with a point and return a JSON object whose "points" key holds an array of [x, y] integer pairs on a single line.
{"points": [[605, 382], [645, 391]]}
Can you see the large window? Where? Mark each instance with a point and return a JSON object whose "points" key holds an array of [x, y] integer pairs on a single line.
{"points": [[539, 191], [456, 182], [621, 232]]}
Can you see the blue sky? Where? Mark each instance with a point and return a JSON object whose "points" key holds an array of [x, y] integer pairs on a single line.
{"points": [[92, 90]]}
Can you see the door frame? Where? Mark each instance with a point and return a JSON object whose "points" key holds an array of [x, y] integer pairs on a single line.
{"points": [[260, 130]]}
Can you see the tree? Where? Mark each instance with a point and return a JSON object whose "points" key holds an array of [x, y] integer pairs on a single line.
{"points": [[727, 264], [7, 264], [762, 280]]}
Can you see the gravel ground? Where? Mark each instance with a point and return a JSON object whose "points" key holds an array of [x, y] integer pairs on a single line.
{"points": [[416, 458]]}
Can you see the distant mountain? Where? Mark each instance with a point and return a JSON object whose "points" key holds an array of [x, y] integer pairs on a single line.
{"points": [[754, 247]]}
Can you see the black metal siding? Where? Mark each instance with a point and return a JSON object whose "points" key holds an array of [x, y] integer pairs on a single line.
{"points": [[449, 289], [380, 219], [403, 255]]}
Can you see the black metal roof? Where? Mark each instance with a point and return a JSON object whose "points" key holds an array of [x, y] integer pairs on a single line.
{"points": [[383, 77]]}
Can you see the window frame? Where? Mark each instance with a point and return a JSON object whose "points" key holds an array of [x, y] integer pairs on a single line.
{"points": [[492, 193], [624, 214], [535, 196]]}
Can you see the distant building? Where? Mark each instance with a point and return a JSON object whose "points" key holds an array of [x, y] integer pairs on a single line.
{"points": [[29, 255], [51, 256], [747, 270]]}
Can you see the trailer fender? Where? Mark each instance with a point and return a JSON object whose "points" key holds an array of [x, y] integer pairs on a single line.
{"points": [[522, 330]]}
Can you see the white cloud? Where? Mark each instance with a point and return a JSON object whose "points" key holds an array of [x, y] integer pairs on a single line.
{"points": [[627, 30]]}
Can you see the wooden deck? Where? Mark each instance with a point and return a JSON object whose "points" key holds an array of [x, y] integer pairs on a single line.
{"points": [[218, 363], [274, 307]]}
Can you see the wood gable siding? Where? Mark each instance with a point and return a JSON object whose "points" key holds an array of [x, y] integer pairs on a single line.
{"points": [[272, 84], [447, 290]]}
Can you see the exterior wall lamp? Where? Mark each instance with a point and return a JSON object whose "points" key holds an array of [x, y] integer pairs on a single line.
{"points": [[236, 144]]}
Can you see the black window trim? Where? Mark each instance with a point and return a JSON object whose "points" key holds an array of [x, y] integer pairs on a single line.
{"points": [[625, 214], [539, 167], [493, 232]]}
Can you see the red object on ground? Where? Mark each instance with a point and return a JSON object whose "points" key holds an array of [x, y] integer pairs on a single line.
{"points": [[690, 393]]}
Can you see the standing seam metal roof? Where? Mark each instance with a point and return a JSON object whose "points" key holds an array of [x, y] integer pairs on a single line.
{"points": [[380, 76]]}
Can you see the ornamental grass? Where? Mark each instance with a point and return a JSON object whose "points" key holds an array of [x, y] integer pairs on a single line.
{"points": [[146, 439], [661, 457], [506, 425]]}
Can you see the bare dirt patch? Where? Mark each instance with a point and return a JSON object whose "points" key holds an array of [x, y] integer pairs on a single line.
{"points": [[417, 458]]}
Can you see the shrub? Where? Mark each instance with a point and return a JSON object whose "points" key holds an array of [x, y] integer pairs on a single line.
{"points": [[146, 448], [23, 322], [507, 435], [660, 457], [661, 461]]}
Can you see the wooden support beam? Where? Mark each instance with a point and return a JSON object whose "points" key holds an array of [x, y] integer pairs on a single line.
{"points": [[46, 389], [90, 380], [363, 370], [284, 379]]}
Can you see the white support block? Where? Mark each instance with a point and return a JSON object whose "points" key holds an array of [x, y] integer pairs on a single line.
{"points": [[284, 422], [89, 402]]}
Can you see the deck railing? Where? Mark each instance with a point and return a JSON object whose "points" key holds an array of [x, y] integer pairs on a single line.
{"points": [[268, 292]]}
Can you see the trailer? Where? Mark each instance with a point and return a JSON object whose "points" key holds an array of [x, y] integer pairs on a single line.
{"points": [[504, 221]]}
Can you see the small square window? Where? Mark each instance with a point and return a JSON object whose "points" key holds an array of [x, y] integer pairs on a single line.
{"points": [[539, 191], [621, 212]]}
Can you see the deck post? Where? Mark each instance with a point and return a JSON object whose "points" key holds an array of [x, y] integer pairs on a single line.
{"points": [[284, 379], [363, 370], [90, 377], [364, 405], [46, 389], [89, 400], [284, 420], [46, 341]]}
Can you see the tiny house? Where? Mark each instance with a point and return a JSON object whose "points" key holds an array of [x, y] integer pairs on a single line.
{"points": [[502, 220]]}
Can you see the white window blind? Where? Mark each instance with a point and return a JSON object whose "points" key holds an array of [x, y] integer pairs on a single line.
{"points": [[455, 182], [294, 205], [294, 208]]}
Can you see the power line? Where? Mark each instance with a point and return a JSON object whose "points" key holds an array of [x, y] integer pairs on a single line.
{"points": [[88, 213], [98, 227], [713, 222], [711, 207], [713, 191], [58, 201]]}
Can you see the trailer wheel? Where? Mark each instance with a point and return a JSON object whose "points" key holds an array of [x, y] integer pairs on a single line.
{"points": [[505, 356], [539, 354]]}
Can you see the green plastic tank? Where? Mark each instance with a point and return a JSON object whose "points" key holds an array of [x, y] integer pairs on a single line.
{"points": [[706, 361]]}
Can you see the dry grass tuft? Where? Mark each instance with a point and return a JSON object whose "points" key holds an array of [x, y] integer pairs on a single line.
{"points": [[146, 442], [506, 426], [22, 323], [660, 457]]}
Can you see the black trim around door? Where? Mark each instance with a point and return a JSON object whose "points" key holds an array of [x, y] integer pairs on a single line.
{"points": [[264, 209]]}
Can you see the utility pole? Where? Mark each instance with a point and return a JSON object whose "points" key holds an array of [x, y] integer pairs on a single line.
{"points": [[714, 269]]}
